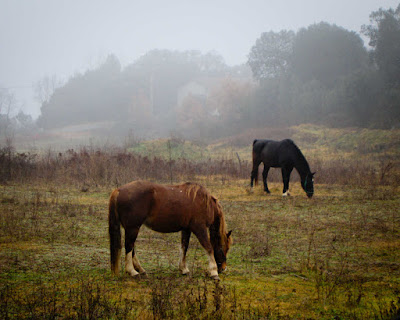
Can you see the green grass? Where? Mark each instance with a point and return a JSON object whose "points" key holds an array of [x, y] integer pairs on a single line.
{"points": [[316, 142], [333, 256]]}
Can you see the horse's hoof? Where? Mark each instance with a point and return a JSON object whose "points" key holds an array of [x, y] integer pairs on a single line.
{"points": [[144, 275], [216, 278], [133, 274], [184, 270]]}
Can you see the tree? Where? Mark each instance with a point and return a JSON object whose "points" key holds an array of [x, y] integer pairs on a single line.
{"points": [[86, 97], [325, 52], [45, 88], [384, 34], [144, 91], [270, 56], [7, 105], [211, 63], [165, 71]]}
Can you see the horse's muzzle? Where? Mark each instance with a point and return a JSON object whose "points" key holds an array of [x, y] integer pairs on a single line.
{"points": [[221, 267]]}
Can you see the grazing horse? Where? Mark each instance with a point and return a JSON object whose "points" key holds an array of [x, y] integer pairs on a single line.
{"points": [[285, 155], [186, 207]]}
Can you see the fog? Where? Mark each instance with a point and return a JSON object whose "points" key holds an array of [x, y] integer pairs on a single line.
{"points": [[51, 37]]}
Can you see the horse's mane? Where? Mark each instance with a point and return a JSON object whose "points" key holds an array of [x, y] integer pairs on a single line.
{"points": [[194, 190], [225, 241], [302, 160]]}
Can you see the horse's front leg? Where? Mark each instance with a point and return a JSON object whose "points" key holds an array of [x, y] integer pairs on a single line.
{"points": [[202, 235], [132, 265], [265, 176], [286, 171], [137, 266], [185, 237]]}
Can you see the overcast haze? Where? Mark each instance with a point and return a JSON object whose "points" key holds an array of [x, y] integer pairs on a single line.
{"points": [[53, 37]]}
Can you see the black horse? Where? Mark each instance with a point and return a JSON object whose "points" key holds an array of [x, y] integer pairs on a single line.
{"points": [[281, 154]]}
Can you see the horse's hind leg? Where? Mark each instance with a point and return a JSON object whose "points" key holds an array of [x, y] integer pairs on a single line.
{"points": [[204, 240], [131, 261], [185, 237]]}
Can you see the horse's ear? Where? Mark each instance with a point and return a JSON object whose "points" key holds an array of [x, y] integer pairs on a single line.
{"points": [[229, 234]]}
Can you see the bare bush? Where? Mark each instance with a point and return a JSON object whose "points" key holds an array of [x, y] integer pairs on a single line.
{"points": [[91, 167]]}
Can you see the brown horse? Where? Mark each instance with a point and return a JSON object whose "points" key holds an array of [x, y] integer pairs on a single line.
{"points": [[167, 208]]}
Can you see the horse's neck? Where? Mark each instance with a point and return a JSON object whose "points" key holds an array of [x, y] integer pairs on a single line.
{"points": [[302, 167], [215, 231]]}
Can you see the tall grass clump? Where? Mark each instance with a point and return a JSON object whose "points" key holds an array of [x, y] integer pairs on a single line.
{"points": [[110, 167]]}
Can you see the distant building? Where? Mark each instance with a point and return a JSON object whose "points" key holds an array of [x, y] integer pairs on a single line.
{"points": [[199, 88]]}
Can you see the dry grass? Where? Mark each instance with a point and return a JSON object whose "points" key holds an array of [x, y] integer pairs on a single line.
{"points": [[332, 256]]}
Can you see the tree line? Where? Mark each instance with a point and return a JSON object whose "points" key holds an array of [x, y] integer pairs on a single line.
{"points": [[319, 74], [324, 74], [142, 96]]}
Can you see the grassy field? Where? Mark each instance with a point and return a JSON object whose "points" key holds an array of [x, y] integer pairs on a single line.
{"points": [[332, 257], [315, 141], [335, 256]]}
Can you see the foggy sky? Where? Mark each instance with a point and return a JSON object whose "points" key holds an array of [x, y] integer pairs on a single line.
{"points": [[61, 37]]}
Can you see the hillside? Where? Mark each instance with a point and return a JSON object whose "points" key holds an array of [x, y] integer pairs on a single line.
{"points": [[315, 141]]}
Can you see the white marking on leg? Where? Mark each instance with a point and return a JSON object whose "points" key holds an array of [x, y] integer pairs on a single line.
{"points": [[286, 194], [137, 266], [182, 262], [129, 265], [212, 266]]}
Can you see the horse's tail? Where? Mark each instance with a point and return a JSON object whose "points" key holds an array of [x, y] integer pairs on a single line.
{"points": [[255, 166], [114, 229]]}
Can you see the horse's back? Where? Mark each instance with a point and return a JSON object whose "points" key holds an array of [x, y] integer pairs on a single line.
{"points": [[271, 152], [133, 201], [163, 208], [134, 190], [265, 151], [172, 210], [260, 144]]}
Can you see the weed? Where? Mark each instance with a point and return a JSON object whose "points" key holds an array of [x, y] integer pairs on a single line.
{"points": [[334, 256]]}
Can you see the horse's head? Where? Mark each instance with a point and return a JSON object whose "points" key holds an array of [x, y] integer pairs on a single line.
{"points": [[308, 184], [221, 252], [220, 239]]}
